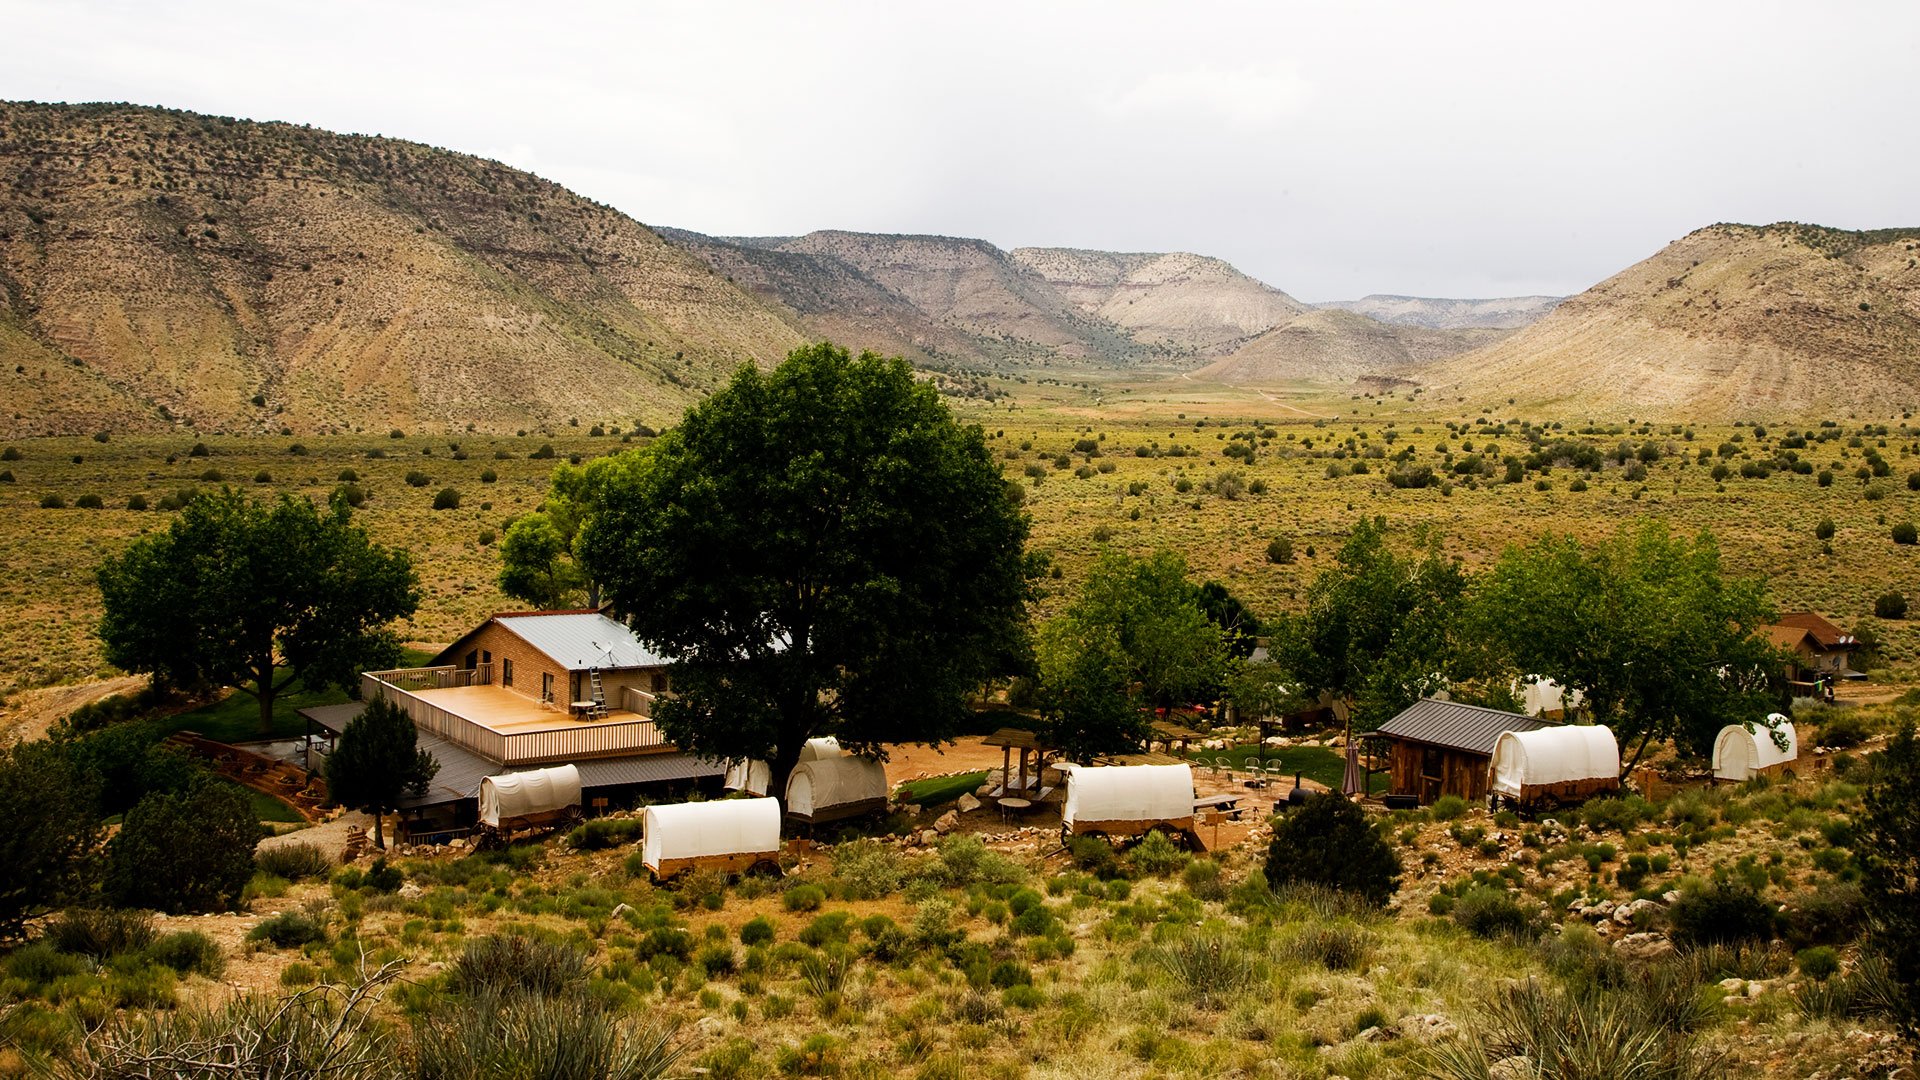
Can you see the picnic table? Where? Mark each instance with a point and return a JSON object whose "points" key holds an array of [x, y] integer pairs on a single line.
{"points": [[1226, 804]]}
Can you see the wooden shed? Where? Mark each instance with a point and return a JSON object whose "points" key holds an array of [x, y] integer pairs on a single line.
{"points": [[1440, 748]]}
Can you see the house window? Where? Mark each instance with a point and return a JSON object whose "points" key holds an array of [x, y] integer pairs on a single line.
{"points": [[659, 683], [506, 672], [473, 658], [546, 686]]}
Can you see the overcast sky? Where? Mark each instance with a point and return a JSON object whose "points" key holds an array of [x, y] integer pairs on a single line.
{"points": [[1331, 149]]}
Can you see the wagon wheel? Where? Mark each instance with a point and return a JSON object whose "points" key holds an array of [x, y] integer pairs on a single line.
{"points": [[766, 868], [487, 840], [1066, 833]]}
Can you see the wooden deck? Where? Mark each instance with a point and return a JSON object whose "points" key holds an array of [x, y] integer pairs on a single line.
{"points": [[508, 712], [507, 726]]}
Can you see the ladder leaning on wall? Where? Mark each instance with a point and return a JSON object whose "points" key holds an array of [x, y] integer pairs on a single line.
{"points": [[599, 694]]}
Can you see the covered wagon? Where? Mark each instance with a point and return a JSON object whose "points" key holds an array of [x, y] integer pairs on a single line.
{"points": [[1744, 751], [1553, 765], [1127, 800], [536, 799], [828, 784], [730, 835]]}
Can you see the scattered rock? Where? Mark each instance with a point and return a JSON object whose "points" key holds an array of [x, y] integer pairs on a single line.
{"points": [[968, 804], [1427, 1028], [620, 910], [709, 1026], [1518, 1067], [1374, 1035], [1644, 946], [929, 837], [1733, 985], [411, 891], [911, 810], [1625, 913], [946, 822]]}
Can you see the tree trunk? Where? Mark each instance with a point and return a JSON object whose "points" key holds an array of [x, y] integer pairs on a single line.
{"points": [[780, 770], [265, 699], [1627, 767], [379, 838]]}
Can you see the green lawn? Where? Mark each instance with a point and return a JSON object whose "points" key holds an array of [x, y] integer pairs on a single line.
{"points": [[1316, 763], [236, 717], [265, 807], [935, 790]]}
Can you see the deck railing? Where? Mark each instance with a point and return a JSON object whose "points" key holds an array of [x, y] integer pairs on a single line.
{"points": [[604, 739], [635, 700]]}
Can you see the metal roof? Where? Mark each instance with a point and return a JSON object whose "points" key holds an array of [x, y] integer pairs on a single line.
{"points": [[646, 769], [461, 769], [1451, 724], [578, 641]]}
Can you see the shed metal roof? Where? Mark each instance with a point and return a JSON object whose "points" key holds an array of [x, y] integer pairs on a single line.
{"points": [[1451, 724], [582, 640]]}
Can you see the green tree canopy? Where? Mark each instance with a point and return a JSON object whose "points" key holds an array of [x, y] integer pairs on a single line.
{"points": [[824, 551], [376, 761], [1657, 640], [1380, 630], [1135, 636], [187, 850], [254, 595], [539, 557], [53, 824]]}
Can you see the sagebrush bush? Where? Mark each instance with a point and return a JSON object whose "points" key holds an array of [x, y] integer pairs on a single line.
{"points": [[294, 862], [867, 870], [188, 952], [1339, 946], [101, 933], [511, 963], [1447, 807], [1208, 967], [602, 833], [1157, 855], [290, 930], [1488, 912], [806, 897], [1721, 913]]}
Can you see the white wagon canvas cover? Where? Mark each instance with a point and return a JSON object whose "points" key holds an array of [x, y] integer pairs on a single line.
{"points": [[728, 828], [514, 796], [752, 775], [1740, 753], [831, 787], [1128, 793], [1550, 756]]}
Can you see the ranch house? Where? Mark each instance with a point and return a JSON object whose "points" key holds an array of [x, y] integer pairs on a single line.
{"points": [[525, 689], [1440, 748], [1820, 650]]}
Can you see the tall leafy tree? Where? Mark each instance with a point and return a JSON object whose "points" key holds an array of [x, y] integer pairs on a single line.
{"points": [[53, 824], [376, 761], [1381, 629], [255, 595], [1659, 642], [1134, 636], [824, 551], [539, 557], [1889, 848]]}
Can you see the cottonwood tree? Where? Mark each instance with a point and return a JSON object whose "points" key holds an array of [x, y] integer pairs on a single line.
{"points": [[1134, 636], [539, 562], [376, 761], [1659, 642], [823, 550], [1380, 629], [256, 595]]}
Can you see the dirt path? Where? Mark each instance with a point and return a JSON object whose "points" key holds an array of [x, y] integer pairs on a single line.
{"points": [[908, 762], [32, 712]]}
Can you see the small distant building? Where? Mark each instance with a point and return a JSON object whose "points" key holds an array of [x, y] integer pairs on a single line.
{"points": [[1821, 651], [1438, 748]]}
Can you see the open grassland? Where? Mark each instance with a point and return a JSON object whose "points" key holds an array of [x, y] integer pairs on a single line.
{"points": [[1134, 465], [1013, 959]]}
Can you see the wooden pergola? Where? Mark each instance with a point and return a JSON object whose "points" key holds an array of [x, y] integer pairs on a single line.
{"points": [[1027, 743]]}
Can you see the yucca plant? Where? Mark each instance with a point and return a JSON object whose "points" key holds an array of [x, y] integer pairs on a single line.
{"points": [[1611, 1036], [518, 963], [1208, 967], [523, 1037]]}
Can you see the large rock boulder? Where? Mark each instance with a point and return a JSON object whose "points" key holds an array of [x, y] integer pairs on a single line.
{"points": [[1644, 946]]}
